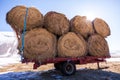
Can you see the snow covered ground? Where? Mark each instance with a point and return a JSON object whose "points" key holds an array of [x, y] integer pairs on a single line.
{"points": [[113, 60], [9, 60], [20, 76]]}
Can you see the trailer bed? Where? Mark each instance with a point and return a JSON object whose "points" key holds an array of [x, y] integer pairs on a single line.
{"points": [[78, 60], [67, 65]]}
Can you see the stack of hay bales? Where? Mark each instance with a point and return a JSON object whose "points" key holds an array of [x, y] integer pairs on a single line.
{"points": [[69, 44], [53, 35], [40, 44], [97, 44], [94, 32]]}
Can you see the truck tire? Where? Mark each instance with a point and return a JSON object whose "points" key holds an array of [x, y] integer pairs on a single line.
{"points": [[57, 66], [68, 68]]}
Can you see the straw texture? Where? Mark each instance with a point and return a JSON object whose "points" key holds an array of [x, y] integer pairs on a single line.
{"points": [[56, 23], [70, 45], [101, 27], [39, 45], [82, 26], [98, 46], [15, 17]]}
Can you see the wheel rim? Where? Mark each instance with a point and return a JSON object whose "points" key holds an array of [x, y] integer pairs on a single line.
{"points": [[69, 68]]}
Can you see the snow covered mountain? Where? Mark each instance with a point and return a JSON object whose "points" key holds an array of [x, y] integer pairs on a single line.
{"points": [[8, 44], [8, 48]]}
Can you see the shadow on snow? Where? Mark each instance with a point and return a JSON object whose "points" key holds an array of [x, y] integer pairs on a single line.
{"points": [[85, 74]]}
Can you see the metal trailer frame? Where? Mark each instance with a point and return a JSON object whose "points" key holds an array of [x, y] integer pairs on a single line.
{"points": [[67, 65]]}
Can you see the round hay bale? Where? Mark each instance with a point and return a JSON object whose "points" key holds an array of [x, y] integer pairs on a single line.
{"points": [[70, 45], [56, 23], [16, 15], [101, 27], [10, 18], [39, 45], [81, 26], [98, 46], [10, 15]]}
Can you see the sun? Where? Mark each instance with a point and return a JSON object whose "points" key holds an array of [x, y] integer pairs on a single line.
{"points": [[90, 16]]}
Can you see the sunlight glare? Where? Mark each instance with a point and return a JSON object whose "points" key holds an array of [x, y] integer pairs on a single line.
{"points": [[90, 16]]}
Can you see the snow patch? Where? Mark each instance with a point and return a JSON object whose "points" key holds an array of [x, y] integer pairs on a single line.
{"points": [[8, 49], [113, 60], [7, 37], [9, 60], [28, 75]]}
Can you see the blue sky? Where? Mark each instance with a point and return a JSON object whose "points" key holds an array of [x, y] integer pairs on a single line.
{"points": [[108, 10]]}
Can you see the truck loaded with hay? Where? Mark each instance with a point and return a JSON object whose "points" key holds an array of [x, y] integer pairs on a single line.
{"points": [[53, 38]]}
